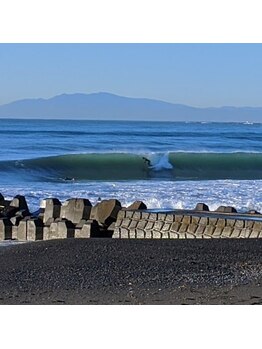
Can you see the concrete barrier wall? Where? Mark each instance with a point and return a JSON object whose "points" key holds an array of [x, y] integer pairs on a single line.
{"points": [[77, 218], [145, 225]]}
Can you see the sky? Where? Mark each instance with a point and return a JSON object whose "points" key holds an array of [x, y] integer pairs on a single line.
{"points": [[201, 75]]}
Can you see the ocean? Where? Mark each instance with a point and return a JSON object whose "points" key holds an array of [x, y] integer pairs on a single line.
{"points": [[165, 164]]}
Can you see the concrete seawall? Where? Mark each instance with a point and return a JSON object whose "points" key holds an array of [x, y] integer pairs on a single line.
{"points": [[182, 224], [77, 218]]}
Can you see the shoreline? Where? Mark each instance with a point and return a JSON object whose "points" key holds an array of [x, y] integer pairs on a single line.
{"points": [[113, 271]]}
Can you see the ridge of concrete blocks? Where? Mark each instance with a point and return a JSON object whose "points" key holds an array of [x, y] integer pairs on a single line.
{"points": [[77, 218]]}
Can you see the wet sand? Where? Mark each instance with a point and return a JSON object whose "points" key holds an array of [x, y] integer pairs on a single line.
{"points": [[112, 271]]}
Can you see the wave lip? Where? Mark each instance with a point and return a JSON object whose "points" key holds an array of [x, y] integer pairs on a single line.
{"points": [[131, 166]]}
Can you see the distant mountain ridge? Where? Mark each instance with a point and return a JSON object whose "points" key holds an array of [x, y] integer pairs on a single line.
{"points": [[107, 106]]}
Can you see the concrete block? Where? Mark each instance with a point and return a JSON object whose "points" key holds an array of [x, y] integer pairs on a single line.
{"points": [[53, 231], [35, 229], [212, 221], [107, 211], [90, 229], [173, 235], [124, 233], [22, 230], [254, 234], [129, 214], [175, 226], [158, 225], [5, 229], [249, 224], [19, 202], [200, 229], [133, 224], [195, 219], [148, 234], [166, 227], [65, 229], [52, 208], [201, 207], [192, 228], [178, 218], [230, 222], [156, 234], [239, 224], [209, 230], [190, 236], [14, 232], [183, 228], [218, 232], [126, 222], [16, 220], [226, 209], [203, 220], [221, 223], [142, 224], [257, 226], [137, 205], [149, 225], [153, 217], [187, 220], [121, 214], [227, 231], [245, 233], [132, 234], [145, 215], [165, 235], [235, 233], [162, 216], [76, 209]]}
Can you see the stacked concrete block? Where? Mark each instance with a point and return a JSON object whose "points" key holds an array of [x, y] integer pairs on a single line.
{"points": [[137, 205], [131, 224], [89, 229], [5, 229], [106, 212], [35, 229], [75, 210], [60, 229], [22, 230], [52, 208]]}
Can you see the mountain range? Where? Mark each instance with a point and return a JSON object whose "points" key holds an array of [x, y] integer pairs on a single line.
{"points": [[107, 106]]}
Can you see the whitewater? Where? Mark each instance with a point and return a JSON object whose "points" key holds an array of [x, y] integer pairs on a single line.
{"points": [[167, 165]]}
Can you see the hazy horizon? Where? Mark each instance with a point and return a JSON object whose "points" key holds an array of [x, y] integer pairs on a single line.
{"points": [[197, 75]]}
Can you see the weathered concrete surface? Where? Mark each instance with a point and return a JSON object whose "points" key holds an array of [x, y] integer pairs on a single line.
{"points": [[52, 208], [75, 210], [106, 212], [181, 224]]}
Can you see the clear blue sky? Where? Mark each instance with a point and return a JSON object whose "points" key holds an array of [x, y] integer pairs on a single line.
{"points": [[192, 74]]}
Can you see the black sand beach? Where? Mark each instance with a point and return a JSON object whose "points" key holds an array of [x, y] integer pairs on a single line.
{"points": [[105, 271]]}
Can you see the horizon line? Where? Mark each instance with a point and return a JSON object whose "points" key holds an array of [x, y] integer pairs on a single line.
{"points": [[122, 96]]}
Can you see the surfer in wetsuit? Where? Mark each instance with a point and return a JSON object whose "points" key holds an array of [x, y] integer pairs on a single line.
{"points": [[147, 161]]}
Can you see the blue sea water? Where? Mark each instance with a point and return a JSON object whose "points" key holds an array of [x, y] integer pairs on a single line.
{"points": [[165, 164]]}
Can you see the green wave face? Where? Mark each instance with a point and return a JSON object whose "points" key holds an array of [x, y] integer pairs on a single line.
{"points": [[216, 165], [93, 166], [127, 166]]}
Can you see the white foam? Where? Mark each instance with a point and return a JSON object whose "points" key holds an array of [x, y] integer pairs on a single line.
{"points": [[244, 195], [160, 162]]}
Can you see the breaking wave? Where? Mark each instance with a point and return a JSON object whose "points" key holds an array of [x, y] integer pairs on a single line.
{"points": [[131, 166]]}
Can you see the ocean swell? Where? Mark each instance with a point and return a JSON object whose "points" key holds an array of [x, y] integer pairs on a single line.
{"points": [[130, 166]]}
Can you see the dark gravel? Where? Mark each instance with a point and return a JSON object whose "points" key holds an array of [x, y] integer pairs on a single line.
{"points": [[108, 271]]}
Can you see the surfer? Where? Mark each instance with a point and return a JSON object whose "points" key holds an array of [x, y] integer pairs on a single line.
{"points": [[69, 179], [147, 161]]}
